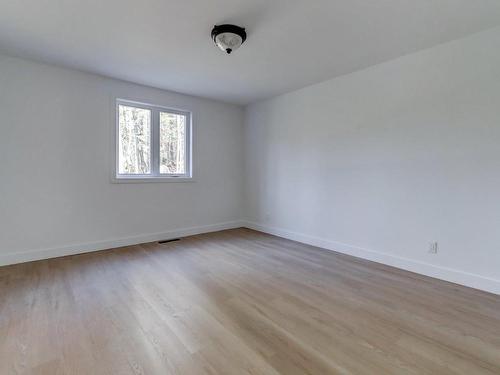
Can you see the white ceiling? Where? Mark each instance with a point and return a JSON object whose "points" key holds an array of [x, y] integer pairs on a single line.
{"points": [[291, 43]]}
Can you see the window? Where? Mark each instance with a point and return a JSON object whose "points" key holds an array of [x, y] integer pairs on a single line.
{"points": [[152, 143]]}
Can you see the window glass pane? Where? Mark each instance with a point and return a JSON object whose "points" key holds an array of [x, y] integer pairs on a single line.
{"points": [[134, 151], [172, 143]]}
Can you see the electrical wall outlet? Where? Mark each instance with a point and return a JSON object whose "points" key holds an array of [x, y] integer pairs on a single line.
{"points": [[433, 247]]}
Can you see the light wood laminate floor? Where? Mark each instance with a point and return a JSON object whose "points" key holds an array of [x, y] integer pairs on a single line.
{"points": [[239, 302]]}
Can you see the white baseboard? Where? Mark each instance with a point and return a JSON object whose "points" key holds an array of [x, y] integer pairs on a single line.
{"points": [[39, 254], [438, 272], [443, 273]]}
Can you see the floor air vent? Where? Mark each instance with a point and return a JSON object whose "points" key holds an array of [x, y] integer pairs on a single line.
{"points": [[167, 241]]}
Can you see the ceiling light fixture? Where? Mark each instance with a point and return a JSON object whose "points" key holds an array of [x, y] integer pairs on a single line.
{"points": [[228, 37]]}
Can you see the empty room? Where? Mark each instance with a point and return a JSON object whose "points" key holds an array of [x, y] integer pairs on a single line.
{"points": [[230, 187]]}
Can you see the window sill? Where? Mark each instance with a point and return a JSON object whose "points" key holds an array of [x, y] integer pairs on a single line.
{"points": [[141, 180]]}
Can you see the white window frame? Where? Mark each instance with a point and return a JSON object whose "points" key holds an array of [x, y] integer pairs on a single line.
{"points": [[155, 175]]}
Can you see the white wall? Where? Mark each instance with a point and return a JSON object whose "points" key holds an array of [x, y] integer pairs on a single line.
{"points": [[383, 161], [55, 161]]}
